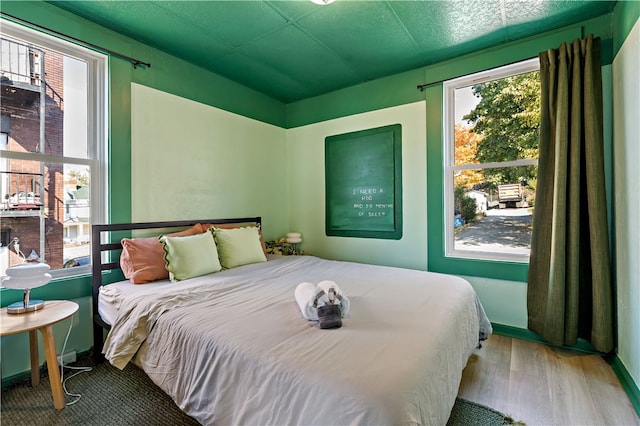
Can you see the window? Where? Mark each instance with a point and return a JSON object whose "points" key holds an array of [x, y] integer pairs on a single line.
{"points": [[491, 125], [52, 165]]}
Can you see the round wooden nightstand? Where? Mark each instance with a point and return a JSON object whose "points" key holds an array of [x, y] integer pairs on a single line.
{"points": [[54, 311]]}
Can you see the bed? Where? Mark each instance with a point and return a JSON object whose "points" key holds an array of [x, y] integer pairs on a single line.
{"points": [[232, 347]]}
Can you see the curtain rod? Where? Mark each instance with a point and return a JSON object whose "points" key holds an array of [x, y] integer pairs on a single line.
{"points": [[135, 62]]}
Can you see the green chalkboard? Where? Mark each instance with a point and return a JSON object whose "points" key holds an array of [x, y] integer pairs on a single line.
{"points": [[363, 183]]}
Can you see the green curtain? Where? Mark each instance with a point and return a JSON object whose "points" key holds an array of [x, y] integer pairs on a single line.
{"points": [[569, 293]]}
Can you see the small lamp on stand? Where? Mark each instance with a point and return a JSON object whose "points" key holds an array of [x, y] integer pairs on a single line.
{"points": [[294, 238], [26, 276]]}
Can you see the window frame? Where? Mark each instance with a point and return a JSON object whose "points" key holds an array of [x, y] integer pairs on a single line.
{"points": [[449, 89], [97, 120]]}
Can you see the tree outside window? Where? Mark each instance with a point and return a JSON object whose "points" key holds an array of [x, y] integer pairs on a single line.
{"points": [[491, 141]]}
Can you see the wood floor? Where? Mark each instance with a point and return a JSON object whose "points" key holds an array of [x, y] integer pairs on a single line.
{"points": [[540, 385]]}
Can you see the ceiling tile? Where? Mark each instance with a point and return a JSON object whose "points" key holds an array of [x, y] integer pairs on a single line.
{"points": [[295, 10], [523, 22], [437, 25], [151, 25], [294, 53], [366, 35], [257, 75], [234, 22]]}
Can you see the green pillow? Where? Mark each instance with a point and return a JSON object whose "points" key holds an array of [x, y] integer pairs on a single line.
{"points": [[190, 256], [239, 246]]}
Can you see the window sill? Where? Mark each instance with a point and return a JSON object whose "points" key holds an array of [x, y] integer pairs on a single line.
{"points": [[496, 269]]}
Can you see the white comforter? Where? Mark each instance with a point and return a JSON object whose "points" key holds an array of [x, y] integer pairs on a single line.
{"points": [[233, 347]]}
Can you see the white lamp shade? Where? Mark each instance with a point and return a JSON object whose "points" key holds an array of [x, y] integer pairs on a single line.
{"points": [[294, 237], [27, 275]]}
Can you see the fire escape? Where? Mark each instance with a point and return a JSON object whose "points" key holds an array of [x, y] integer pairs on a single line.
{"points": [[22, 84]]}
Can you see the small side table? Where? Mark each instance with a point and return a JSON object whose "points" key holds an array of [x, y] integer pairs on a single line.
{"points": [[54, 311]]}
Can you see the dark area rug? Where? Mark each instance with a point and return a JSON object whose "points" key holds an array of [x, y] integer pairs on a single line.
{"points": [[109, 397], [470, 413], [129, 397]]}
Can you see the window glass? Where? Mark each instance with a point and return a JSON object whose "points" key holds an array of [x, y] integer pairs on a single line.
{"points": [[51, 170], [491, 144]]}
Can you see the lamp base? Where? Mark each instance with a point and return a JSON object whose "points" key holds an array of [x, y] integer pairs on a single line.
{"points": [[20, 308]]}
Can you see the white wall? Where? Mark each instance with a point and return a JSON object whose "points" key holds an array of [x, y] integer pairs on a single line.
{"points": [[505, 302], [626, 153], [305, 148], [190, 160]]}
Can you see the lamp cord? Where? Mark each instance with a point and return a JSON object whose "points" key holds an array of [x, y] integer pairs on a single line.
{"points": [[80, 370]]}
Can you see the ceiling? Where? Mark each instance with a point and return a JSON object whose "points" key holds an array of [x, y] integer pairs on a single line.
{"points": [[292, 50]]}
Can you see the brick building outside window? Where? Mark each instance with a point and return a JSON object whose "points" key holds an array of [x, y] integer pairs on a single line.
{"points": [[50, 153]]}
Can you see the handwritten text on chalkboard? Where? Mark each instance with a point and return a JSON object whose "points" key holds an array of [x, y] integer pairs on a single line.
{"points": [[366, 202]]}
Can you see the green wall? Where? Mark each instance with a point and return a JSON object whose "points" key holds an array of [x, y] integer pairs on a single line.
{"points": [[625, 17], [390, 100]]}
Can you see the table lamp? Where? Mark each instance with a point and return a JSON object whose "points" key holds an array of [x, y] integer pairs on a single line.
{"points": [[294, 238], [26, 276]]}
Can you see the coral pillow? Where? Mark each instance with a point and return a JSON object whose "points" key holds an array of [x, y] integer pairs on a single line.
{"points": [[142, 259]]}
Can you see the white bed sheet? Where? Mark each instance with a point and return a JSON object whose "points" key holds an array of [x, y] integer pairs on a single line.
{"points": [[111, 296], [233, 348]]}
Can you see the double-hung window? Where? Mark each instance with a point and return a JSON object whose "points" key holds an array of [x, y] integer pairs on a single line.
{"points": [[52, 151], [491, 125]]}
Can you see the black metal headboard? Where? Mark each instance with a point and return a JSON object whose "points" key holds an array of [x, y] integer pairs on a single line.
{"points": [[112, 258]]}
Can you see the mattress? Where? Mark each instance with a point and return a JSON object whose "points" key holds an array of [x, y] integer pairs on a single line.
{"points": [[233, 348]]}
